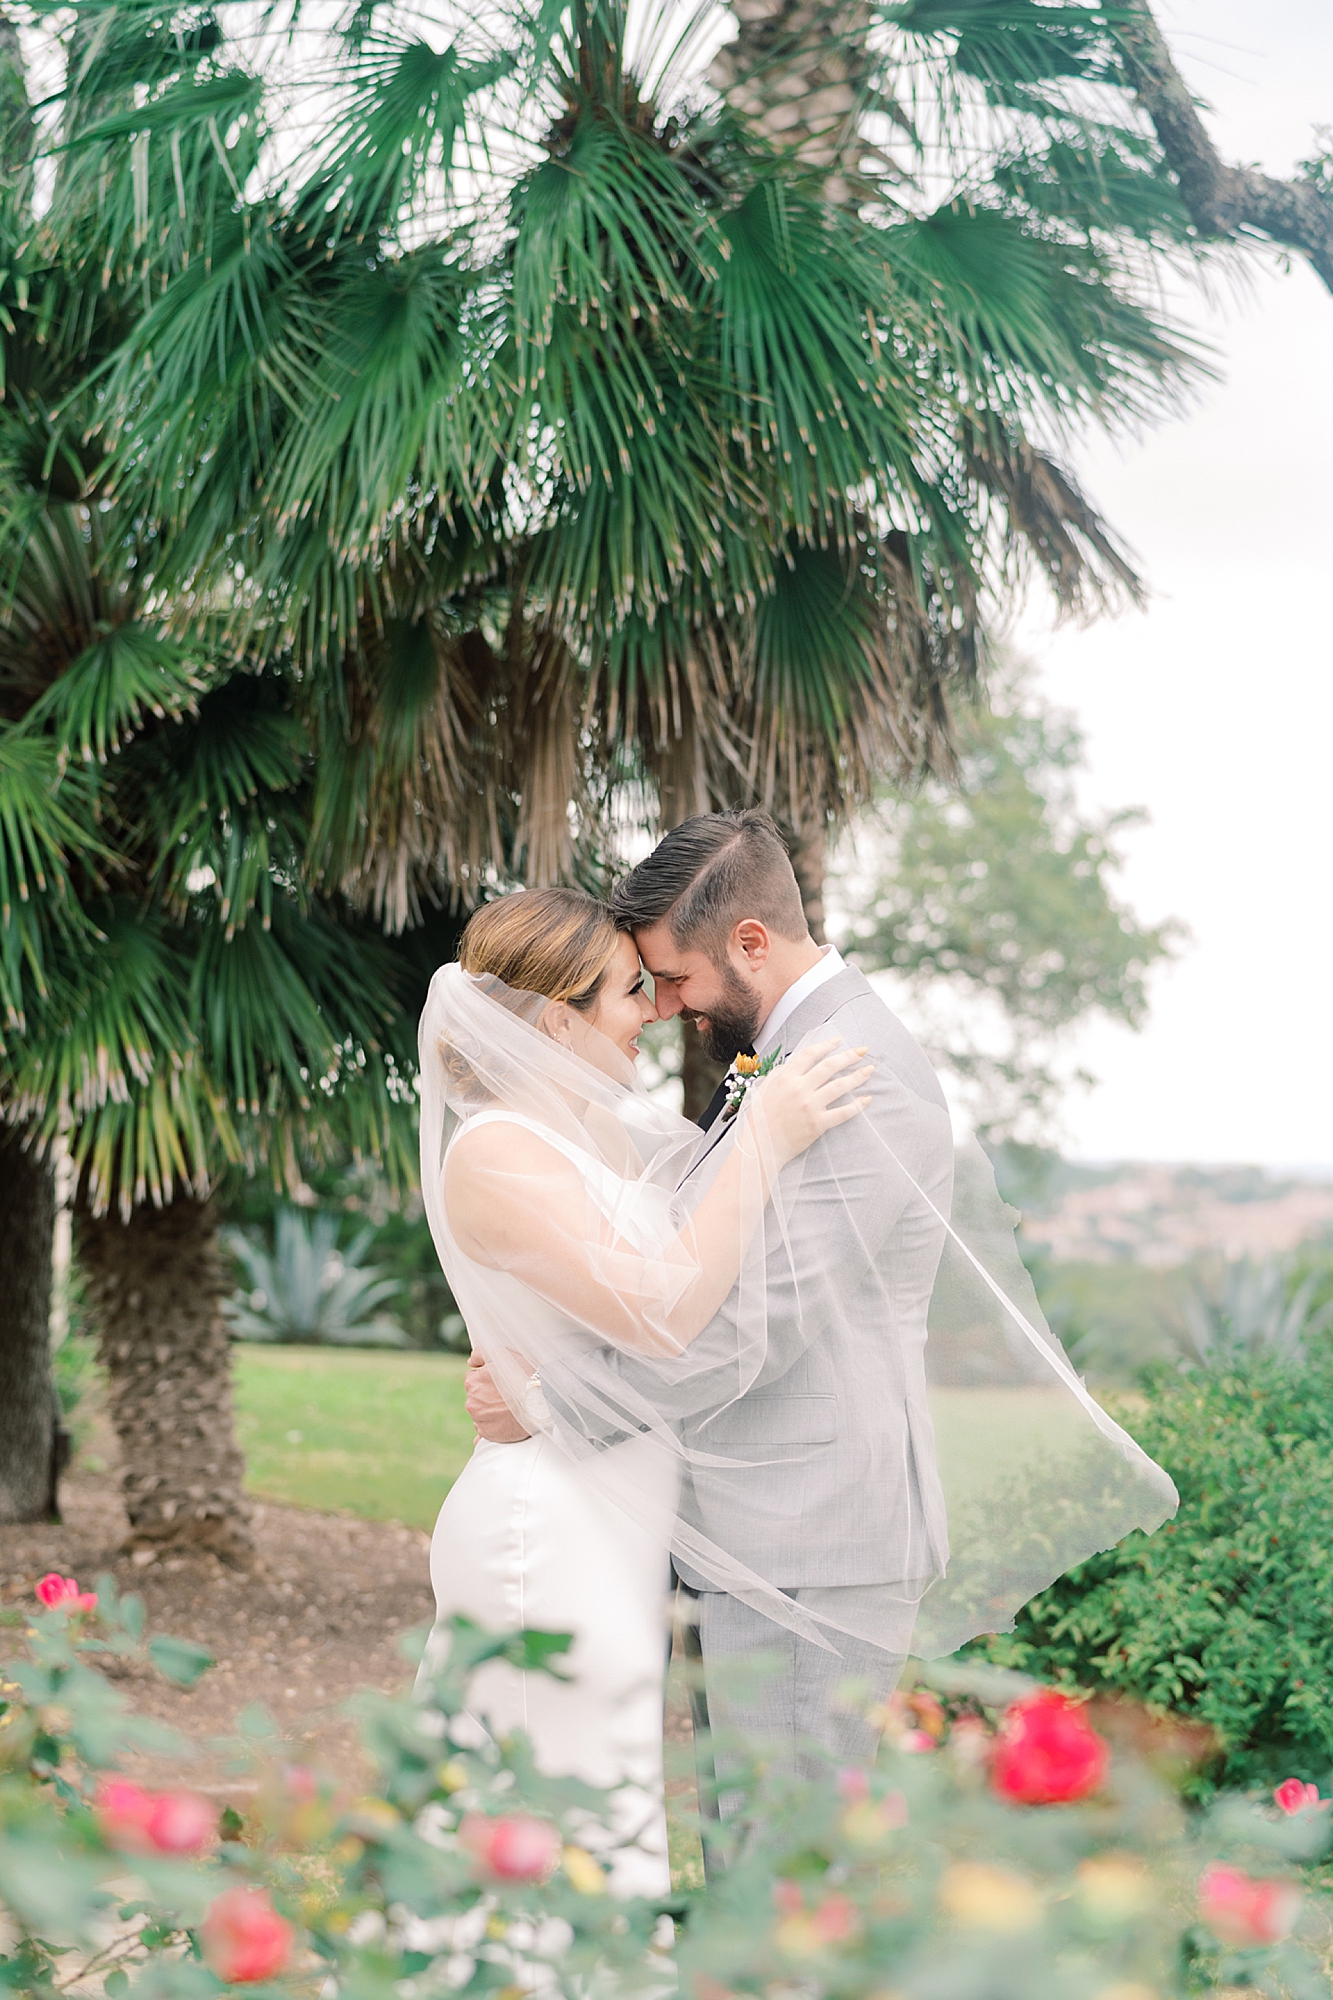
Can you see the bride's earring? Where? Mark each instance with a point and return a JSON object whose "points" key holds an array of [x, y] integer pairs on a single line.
{"points": [[555, 1023]]}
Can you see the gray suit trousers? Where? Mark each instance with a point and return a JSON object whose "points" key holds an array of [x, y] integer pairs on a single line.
{"points": [[796, 1705]]}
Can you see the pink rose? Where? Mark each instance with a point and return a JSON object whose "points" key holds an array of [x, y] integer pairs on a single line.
{"points": [[53, 1589], [517, 1848], [181, 1823], [836, 1919], [140, 1822], [854, 1786], [1241, 1910], [1294, 1796], [1046, 1753], [243, 1937], [123, 1812]]}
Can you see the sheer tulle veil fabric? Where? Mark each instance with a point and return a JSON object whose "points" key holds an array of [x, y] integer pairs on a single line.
{"points": [[591, 1324]]}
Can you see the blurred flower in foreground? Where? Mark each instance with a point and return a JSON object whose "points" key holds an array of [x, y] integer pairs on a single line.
{"points": [[802, 1932], [980, 1896], [1245, 1911], [243, 1937], [141, 1822], [1046, 1754], [1114, 1887], [585, 1874], [912, 1721], [1294, 1796], [54, 1589], [516, 1848]]}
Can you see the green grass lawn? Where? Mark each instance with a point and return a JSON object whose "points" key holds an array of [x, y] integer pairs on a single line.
{"points": [[377, 1433]]}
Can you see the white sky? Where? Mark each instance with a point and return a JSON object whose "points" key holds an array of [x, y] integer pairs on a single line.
{"points": [[1215, 709]]}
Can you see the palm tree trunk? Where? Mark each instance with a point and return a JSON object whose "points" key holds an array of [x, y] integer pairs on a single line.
{"points": [[682, 791], [798, 71], [30, 1431], [155, 1287]]}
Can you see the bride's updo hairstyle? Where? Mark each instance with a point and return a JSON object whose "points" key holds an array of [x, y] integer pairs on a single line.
{"points": [[556, 942]]}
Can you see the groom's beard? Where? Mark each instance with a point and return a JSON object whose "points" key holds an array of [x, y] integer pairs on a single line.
{"points": [[733, 1023]]}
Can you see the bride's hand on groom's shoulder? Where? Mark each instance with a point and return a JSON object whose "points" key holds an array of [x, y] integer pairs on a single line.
{"points": [[494, 1419], [806, 1095]]}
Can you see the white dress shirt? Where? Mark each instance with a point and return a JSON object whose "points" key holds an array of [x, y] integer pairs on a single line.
{"points": [[831, 962]]}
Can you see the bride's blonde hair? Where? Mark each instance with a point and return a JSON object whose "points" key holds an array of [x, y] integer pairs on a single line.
{"points": [[557, 942]]}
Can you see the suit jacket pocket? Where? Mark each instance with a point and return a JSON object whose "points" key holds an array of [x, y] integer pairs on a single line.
{"points": [[760, 1419]]}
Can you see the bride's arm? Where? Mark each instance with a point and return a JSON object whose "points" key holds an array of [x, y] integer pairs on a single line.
{"points": [[518, 1204]]}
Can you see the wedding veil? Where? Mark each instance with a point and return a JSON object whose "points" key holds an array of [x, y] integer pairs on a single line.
{"points": [[589, 1319]]}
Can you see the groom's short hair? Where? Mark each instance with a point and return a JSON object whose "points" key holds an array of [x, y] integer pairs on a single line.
{"points": [[707, 875]]}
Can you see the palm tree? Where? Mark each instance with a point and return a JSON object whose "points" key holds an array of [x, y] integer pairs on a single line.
{"points": [[627, 458], [712, 474], [178, 1001]]}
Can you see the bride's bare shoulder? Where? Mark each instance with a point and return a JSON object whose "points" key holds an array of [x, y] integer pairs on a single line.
{"points": [[483, 1176], [501, 1142]]}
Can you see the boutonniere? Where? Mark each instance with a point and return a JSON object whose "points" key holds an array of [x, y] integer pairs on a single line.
{"points": [[743, 1072]]}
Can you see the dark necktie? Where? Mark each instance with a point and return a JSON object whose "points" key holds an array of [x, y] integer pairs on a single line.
{"points": [[713, 1108]]}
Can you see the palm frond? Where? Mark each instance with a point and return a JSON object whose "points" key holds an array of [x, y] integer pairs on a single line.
{"points": [[100, 699], [47, 827], [1014, 42], [1023, 322]]}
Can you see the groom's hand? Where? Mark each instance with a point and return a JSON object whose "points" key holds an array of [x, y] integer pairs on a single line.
{"points": [[494, 1419]]}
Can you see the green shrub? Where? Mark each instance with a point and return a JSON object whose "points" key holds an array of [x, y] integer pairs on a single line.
{"points": [[1226, 1613]]}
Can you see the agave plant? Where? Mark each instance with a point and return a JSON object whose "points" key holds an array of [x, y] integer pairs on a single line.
{"points": [[1253, 1311], [308, 1289]]}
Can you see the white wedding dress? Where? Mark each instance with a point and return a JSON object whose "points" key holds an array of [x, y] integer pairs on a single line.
{"points": [[527, 1537]]}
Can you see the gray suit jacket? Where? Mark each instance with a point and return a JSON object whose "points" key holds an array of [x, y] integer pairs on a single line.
{"points": [[832, 1477]]}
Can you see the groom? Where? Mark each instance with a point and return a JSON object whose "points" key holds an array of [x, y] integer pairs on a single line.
{"points": [[832, 1495]]}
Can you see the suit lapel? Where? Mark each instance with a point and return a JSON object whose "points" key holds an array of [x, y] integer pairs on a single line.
{"points": [[818, 1006]]}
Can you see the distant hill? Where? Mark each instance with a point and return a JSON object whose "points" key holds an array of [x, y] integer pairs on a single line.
{"points": [[1160, 1216]]}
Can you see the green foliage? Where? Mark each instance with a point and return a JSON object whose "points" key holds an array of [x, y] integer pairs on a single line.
{"points": [[308, 1289], [914, 1879], [1002, 893], [1222, 1614], [545, 410], [73, 1370]]}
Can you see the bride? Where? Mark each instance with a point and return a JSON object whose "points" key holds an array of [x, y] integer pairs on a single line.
{"points": [[550, 1182]]}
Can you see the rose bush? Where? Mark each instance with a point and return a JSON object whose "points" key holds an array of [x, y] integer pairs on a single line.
{"points": [[1222, 1615], [466, 1871]]}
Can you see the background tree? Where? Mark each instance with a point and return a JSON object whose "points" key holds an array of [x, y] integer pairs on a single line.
{"points": [[29, 1421], [177, 1000], [993, 901]]}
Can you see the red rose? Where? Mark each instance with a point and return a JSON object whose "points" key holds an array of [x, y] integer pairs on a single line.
{"points": [[1293, 1796], [1243, 1911], [53, 1589], [1046, 1753], [243, 1937], [517, 1848]]}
